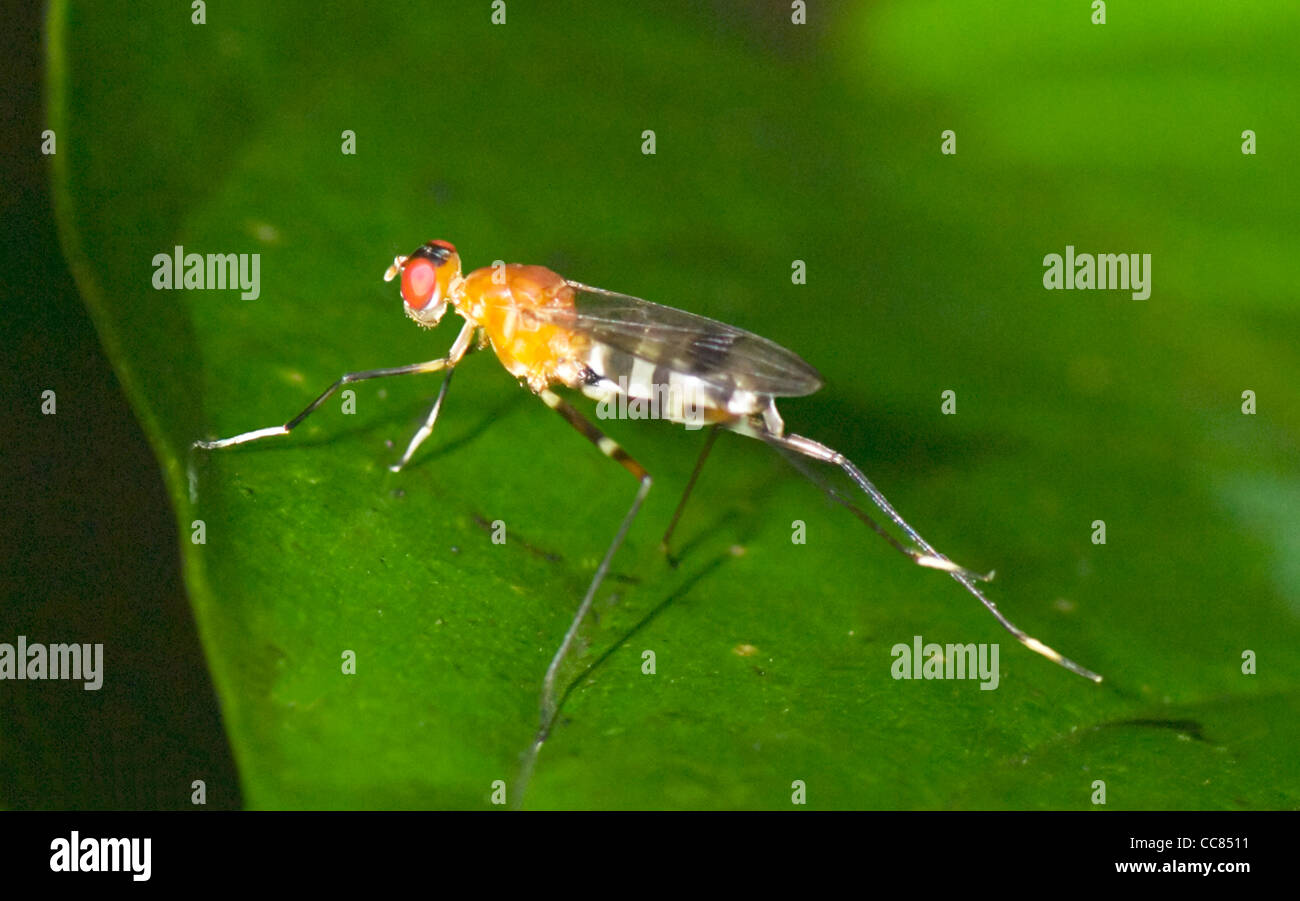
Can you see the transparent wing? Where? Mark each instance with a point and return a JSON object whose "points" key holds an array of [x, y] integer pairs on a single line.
{"points": [[714, 352]]}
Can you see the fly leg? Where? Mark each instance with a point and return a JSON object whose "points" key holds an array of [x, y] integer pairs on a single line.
{"points": [[453, 357], [426, 429], [690, 485], [927, 556], [549, 706], [611, 449], [458, 350]]}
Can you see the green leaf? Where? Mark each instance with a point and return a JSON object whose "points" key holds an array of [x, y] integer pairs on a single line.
{"points": [[774, 143]]}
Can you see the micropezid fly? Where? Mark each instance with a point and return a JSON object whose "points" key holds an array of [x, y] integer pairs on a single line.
{"points": [[547, 331]]}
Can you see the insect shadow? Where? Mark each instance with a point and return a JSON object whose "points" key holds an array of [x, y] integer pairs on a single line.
{"points": [[744, 536], [651, 615]]}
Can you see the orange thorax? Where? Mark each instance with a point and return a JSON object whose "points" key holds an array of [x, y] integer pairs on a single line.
{"points": [[503, 301]]}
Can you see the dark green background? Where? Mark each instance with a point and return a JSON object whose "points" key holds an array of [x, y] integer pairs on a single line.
{"points": [[775, 143]]}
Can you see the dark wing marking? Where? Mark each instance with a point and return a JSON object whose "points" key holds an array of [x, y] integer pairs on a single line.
{"points": [[718, 354]]}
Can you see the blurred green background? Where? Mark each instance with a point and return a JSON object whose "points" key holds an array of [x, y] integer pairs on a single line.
{"points": [[775, 142]]}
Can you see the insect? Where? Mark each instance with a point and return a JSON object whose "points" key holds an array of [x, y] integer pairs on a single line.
{"points": [[547, 331]]}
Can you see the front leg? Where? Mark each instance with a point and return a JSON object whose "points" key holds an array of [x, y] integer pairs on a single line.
{"points": [[457, 351]]}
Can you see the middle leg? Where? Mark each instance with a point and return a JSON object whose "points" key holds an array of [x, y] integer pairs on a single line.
{"points": [[610, 448], [690, 485]]}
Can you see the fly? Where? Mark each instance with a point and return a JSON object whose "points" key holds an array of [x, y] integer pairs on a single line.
{"points": [[547, 330]]}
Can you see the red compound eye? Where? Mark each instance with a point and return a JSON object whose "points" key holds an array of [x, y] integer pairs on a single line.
{"points": [[419, 282]]}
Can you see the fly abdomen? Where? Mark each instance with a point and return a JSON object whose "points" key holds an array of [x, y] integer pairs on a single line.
{"points": [[666, 391]]}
